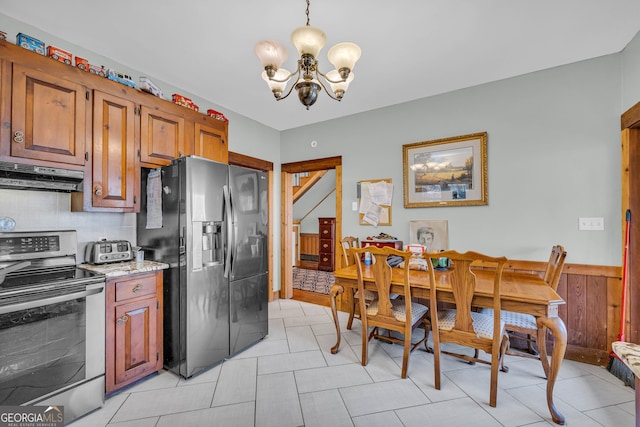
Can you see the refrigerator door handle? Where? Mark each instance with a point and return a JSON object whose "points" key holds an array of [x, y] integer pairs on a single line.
{"points": [[230, 240]]}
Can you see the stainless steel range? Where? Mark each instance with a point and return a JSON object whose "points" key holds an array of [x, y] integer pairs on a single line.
{"points": [[52, 319]]}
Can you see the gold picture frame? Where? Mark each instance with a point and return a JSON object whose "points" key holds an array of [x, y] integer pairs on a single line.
{"points": [[446, 172]]}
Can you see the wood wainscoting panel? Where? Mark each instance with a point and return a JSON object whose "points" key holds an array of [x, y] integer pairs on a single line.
{"points": [[309, 244]]}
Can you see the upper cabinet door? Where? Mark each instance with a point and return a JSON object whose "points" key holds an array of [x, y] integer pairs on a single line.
{"points": [[48, 117], [115, 168], [162, 137], [211, 140]]}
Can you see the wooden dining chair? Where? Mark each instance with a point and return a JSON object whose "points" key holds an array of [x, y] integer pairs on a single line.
{"points": [[525, 324], [386, 313], [347, 243], [462, 325]]}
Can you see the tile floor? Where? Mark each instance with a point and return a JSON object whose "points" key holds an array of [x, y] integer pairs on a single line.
{"points": [[291, 379]]}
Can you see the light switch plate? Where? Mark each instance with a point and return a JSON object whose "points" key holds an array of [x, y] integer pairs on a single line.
{"points": [[591, 224], [354, 206]]}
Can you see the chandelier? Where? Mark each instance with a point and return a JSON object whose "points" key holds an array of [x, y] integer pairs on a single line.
{"points": [[307, 79]]}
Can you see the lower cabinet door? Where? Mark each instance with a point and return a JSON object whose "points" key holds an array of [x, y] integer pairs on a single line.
{"points": [[136, 352]]}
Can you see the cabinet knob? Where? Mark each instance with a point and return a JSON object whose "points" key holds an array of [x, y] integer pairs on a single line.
{"points": [[122, 320], [18, 136], [137, 288], [98, 190]]}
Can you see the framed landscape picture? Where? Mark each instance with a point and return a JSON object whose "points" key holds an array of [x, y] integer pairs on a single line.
{"points": [[446, 172]]}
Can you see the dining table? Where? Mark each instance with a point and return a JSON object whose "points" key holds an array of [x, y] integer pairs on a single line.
{"points": [[520, 292]]}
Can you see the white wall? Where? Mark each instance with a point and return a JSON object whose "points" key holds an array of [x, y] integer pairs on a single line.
{"points": [[553, 156], [631, 74]]}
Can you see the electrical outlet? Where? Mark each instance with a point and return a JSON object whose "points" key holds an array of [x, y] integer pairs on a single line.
{"points": [[591, 224]]}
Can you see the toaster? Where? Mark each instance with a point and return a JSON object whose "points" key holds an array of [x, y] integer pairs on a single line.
{"points": [[105, 251]]}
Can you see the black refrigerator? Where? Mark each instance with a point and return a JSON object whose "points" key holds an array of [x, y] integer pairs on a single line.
{"points": [[208, 221]]}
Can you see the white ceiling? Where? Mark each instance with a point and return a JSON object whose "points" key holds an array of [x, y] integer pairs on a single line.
{"points": [[410, 48]]}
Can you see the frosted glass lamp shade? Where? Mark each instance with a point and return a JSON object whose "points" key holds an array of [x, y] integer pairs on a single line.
{"points": [[308, 40], [276, 86], [271, 53], [344, 55], [333, 75]]}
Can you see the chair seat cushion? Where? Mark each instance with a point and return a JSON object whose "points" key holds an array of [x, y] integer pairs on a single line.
{"points": [[368, 295], [482, 323], [398, 309], [371, 295], [511, 318]]}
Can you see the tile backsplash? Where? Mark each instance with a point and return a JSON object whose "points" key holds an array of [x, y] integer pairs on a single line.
{"points": [[41, 210]]}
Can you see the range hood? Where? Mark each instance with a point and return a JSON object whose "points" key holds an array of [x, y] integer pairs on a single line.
{"points": [[20, 176]]}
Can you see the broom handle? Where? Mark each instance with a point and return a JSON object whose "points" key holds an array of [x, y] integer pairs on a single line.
{"points": [[624, 277]]}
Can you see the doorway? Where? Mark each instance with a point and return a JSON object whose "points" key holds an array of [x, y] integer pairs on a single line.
{"points": [[287, 244]]}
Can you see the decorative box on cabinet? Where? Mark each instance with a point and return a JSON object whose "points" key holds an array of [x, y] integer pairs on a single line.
{"points": [[396, 244], [133, 328], [326, 232]]}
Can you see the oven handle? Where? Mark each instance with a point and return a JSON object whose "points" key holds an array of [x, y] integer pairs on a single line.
{"points": [[92, 289]]}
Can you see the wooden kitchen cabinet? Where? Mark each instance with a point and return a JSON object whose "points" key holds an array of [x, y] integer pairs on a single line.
{"points": [[211, 139], [53, 114], [326, 252], [133, 328], [115, 177], [162, 137], [49, 117], [166, 135]]}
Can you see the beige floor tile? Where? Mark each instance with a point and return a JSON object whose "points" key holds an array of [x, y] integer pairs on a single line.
{"points": [[612, 416], [301, 338], [586, 393], [164, 401], [291, 362], [319, 379], [454, 413], [277, 401], [237, 382], [315, 319], [324, 408], [239, 415], [343, 356], [379, 419], [383, 396]]}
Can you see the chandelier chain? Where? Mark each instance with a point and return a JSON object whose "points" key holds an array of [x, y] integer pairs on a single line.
{"points": [[307, 12]]}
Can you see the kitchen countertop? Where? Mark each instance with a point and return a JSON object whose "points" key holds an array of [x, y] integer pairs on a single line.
{"points": [[125, 268]]}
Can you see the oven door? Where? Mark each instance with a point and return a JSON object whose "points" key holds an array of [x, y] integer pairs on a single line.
{"points": [[52, 350]]}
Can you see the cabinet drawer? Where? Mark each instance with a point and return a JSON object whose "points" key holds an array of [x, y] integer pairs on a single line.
{"points": [[326, 221], [326, 232], [135, 287], [326, 246]]}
